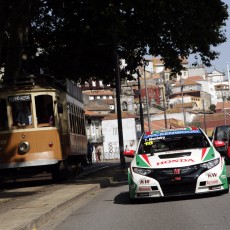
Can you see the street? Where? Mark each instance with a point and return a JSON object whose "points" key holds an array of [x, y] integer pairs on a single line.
{"points": [[110, 208]]}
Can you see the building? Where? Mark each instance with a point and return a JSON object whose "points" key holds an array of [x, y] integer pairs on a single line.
{"points": [[111, 139]]}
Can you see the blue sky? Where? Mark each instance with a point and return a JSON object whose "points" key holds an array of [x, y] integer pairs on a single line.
{"points": [[220, 64]]}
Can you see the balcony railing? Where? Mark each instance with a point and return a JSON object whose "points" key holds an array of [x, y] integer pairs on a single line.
{"points": [[96, 139]]}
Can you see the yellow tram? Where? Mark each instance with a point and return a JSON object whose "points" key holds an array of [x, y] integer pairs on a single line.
{"points": [[42, 124]]}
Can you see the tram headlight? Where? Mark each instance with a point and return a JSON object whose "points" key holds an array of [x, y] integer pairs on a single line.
{"points": [[23, 147]]}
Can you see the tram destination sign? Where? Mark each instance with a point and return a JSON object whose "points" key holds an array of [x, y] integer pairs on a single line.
{"points": [[19, 98]]}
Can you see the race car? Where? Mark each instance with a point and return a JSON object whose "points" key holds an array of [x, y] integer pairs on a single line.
{"points": [[176, 162]]}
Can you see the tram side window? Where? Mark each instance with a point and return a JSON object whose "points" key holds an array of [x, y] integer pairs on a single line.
{"points": [[3, 115], [21, 113], [44, 110]]}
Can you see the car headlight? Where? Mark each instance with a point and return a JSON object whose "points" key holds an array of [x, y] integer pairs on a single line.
{"points": [[142, 171], [210, 164]]}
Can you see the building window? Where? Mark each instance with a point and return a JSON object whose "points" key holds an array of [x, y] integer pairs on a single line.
{"points": [[124, 106]]}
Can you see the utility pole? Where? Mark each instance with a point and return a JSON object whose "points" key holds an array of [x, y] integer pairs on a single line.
{"points": [[228, 80], [140, 102], [119, 115], [147, 98], [205, 128], [164, 99], [182, 89]]}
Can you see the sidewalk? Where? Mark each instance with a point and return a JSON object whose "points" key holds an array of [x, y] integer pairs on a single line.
{"points": [[44, 202]]}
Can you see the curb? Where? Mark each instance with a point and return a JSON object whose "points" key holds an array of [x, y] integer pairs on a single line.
{"points": [[98, 183], [45, 217]]}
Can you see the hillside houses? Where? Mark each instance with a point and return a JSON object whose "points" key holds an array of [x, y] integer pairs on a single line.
{"points": [[184, 99]]}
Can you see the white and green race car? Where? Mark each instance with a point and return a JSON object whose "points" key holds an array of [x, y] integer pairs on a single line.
{"points": [[176, 162]]}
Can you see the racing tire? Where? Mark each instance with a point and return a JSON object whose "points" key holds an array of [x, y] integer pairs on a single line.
{"points": [[132, 200]]}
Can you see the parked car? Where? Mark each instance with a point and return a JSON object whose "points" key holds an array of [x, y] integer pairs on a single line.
{"points": [[219, 138], [176, 162]]}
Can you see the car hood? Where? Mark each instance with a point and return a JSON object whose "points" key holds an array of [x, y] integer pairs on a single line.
{"points": [[178, 158]]}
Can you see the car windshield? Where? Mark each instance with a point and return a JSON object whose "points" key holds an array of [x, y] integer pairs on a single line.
{"points": [[221, 133], [152, 144]]}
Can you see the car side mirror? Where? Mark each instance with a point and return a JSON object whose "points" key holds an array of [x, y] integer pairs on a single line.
{"points": [[129, 153]]}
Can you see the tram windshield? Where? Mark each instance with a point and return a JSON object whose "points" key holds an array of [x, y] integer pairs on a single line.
{"points": [[21, 110], [44, 110], [22, 114]]}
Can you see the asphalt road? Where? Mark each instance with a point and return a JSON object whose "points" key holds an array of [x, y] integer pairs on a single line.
{"points": [[109, 208]]}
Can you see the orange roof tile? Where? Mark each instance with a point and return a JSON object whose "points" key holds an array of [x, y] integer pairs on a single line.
{"points": [[98, 92], [124, 115], [187, 82], [219, 105], [196, 78]]}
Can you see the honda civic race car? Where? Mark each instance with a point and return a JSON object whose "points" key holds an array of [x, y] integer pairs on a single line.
{"points": [[176, 162]]}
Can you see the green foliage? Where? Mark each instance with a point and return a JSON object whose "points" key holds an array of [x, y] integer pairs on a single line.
{"points": [[212, 108], [78, 39]]}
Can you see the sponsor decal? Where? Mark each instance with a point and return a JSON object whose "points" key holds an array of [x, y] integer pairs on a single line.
{"points": [[175, 161], [212, 175], [144, 181], [214, 188], [176, 132], [145, 188], [212, 182], [148, 142], [156, 138]]}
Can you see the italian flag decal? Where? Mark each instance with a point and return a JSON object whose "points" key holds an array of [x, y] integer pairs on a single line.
{"points": [[142, 160], [207, 154]]}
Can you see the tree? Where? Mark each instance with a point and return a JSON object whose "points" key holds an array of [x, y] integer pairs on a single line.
{"points": [[212, 108], [76, 39]]}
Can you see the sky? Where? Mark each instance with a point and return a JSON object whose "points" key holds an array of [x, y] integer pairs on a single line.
{"points": [[220, 64]]}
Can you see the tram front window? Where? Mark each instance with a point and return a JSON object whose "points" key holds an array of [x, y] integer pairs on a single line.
{"points": [[44, 110], [3, 115], [21, 113]]}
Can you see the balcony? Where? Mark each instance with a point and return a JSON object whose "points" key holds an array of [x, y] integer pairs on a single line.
{"points": [[96, 139]]}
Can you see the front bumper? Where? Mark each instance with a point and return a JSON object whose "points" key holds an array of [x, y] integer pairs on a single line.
{"points": [[191, 180]]}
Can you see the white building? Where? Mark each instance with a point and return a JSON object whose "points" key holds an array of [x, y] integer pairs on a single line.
{"points": [[111, 138], [221, 86]]}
